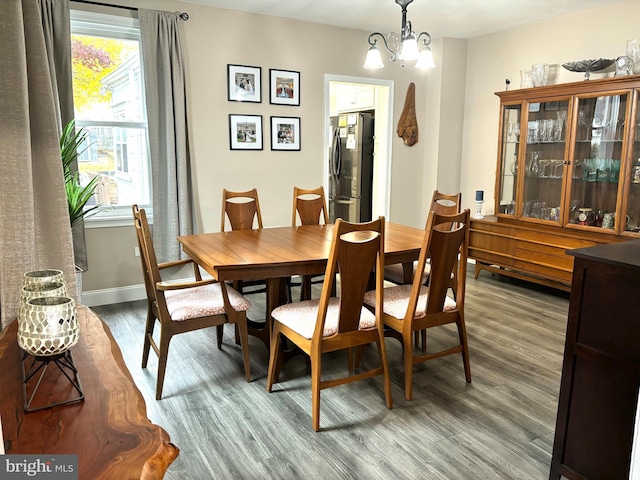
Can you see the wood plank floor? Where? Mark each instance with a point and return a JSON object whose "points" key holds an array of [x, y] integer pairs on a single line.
{"points": [[501, 426]]}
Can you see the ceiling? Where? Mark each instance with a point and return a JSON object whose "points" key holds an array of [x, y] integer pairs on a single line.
{"points": [[440, 18]]}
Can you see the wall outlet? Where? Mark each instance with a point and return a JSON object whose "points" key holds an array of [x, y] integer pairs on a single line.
{"points": [[136, 251]]}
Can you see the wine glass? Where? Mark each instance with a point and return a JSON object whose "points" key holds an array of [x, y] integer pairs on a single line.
{"points": [[510, 131], [558, 163], [544, 163], [583, 127], [620, 129]]}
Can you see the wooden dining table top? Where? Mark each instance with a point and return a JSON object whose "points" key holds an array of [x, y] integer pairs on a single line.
{"points": [[284, 251]]}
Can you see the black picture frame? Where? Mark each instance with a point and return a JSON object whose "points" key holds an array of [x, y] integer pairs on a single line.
{"points": [[284, 87], [285, 133], [245, 132], [244, 83]]}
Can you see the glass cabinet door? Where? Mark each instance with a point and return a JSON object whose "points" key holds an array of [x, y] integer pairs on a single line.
{"points": [[597, 158], [632, 207], [509, 163], [544, 160]]}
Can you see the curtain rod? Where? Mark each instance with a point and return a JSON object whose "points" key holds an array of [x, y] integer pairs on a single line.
{"points": [[183, 15]]}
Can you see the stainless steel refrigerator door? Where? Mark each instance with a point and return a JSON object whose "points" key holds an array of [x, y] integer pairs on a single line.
{"points": [[346, 208]]}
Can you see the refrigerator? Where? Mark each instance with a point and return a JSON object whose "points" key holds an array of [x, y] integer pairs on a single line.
{"points": [[351, 167]]}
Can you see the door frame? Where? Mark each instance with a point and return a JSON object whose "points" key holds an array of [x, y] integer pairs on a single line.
{"points": [[382, 160]]}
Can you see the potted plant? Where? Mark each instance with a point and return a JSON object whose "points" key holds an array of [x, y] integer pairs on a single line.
{"points": [[77, 195]]}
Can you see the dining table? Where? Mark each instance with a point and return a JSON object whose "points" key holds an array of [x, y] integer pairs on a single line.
{"points": [[277, 253]]}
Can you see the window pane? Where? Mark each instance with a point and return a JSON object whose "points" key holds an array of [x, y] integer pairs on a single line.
{"points": [[106, 79], [119, 156]]}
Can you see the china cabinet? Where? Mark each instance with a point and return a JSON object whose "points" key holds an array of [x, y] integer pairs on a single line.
{"points": [[568, 176]]}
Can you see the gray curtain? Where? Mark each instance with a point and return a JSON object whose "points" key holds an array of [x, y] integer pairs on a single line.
{"points": [[56, 27], [34, 219], [168, 133], [57, 39]]}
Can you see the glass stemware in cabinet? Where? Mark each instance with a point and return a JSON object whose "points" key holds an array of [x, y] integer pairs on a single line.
{"points": [[544, 163], [561, 120], [533, 166], [583, 127], [557, 166]]}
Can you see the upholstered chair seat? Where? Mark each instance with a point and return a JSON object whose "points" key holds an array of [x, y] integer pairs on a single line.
{"points": [[202, 301], [396, 301], [301, 317]]}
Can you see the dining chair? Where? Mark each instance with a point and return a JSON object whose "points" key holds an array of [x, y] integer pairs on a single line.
{"points": [[310, 208], [331, 323], [443, 203], [242, 212], [415, 307], [181, 307]]}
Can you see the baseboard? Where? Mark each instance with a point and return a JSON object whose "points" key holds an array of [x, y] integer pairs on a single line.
{"points": [[107, 296]]}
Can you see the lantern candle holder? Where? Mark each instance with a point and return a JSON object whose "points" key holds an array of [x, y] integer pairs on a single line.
{"points": [[47, 329]]}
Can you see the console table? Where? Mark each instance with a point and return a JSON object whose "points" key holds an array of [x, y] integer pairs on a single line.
{"points": [[109, 430]]}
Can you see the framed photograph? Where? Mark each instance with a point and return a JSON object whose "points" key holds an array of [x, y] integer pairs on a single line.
{"points": [[245, 132], [244, 83], [284, 87], [285, 133]]}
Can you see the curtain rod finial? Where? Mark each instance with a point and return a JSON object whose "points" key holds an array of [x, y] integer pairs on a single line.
{"points": [[183, 15]]}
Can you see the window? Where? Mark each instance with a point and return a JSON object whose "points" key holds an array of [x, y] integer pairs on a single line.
{"points": [[108, 91]]}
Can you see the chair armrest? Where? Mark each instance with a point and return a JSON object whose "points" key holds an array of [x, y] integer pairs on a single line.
{"points": [[175, 263], [181, 285]]}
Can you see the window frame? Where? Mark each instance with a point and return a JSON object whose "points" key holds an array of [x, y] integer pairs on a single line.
{"points": [[126, 28]]}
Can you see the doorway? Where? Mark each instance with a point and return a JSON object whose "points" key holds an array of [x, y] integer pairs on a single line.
{"points": [[354, 94]]}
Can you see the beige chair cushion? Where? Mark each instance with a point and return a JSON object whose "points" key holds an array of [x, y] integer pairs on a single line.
{"points": [[395, 273], [301, 317], [396, 301], [202, 301]]}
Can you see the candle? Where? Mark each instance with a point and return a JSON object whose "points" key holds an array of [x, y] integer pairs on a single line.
{"points": [[479, 196]]}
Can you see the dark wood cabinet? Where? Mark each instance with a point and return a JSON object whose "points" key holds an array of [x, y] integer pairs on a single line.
{"points": [[601, 370]]}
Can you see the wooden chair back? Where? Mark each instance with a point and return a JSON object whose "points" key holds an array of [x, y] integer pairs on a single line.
{"points": [[446, 243], [148, 259], [137, 219], [242, 209], [357, 250], [446, 204], [310, 206]]}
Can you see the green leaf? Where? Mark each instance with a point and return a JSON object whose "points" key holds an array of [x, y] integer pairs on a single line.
{"points": [[77, 195]]}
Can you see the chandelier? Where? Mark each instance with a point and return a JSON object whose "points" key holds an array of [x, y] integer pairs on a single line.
{"points": [[403, 46]]}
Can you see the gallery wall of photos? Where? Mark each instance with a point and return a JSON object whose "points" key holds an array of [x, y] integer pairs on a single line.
{"points": [[244, 84]]}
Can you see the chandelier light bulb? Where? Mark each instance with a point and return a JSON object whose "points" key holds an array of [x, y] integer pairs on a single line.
{"points": [[373, 60], [409, 51], [426, 59]]}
